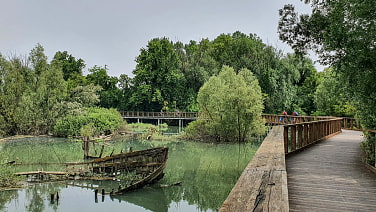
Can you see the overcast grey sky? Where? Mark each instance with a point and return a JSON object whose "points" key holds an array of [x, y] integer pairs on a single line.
{"points": [[111, 32]]}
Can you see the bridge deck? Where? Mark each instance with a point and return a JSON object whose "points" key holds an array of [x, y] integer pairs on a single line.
{"points": [[329, 176]]}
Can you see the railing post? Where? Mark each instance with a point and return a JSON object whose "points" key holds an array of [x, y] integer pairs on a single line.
{"points": [[299, 128], [314, 131], [286, 138], [305, 131], [293, 137]]}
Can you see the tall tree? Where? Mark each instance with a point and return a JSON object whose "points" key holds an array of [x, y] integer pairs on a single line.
{"points": [[38, 110], [331, 98], [158, 76], [110, 93], [70, 66], [12, 87], [125, 86], [342, 33], [232, 104]]}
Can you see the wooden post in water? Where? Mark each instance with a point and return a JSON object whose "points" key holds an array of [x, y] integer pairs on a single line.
{"points": [[85, 146]]}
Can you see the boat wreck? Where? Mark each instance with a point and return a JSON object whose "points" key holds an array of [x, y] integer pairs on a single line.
{"points": [[140, 168]]}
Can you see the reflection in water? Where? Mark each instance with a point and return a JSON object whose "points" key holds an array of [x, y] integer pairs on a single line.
{"points": [[208, 172]]}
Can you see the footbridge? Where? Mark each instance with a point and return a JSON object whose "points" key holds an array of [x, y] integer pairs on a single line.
{"points": [[308, 164], [305, 163]]}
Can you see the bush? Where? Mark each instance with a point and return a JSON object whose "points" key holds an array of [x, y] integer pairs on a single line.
{"points": [[368, 146], [196, 130], [104, 121], [8, 179], [232, 104]]}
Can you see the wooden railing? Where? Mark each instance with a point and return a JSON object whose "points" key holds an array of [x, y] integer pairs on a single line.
{"points": [[351, 124], [270, 119], [263, 183], [301, 135], [142, 114]]}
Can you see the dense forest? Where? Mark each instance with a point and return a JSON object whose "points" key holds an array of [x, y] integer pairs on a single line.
{"points": [[40, 96]]}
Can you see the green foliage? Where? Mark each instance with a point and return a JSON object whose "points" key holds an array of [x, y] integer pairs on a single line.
{"points": [[168, 72], [157, 76], [232, 104], [331, 99], [100, 120], [147, 128], [109, 95], [70, 66], [125, 92], [368, 145], [30, 93], [87, 95], [197, 130], [7, 178], [342, 33]]}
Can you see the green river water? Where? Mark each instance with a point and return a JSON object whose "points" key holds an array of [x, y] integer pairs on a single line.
{"points": [[208, 172]]}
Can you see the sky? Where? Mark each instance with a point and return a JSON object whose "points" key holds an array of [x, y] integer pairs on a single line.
{"points": [[112, 32]]}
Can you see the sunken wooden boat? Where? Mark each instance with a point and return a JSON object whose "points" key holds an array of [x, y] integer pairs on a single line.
{"points": [[142, 162], [144, 166], [148, 164]]}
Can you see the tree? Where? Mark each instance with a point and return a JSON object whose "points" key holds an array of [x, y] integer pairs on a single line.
{"points": [[277, 74], [342, 33], [232, 105], [158, 77], [198, 66], [87, 95], [331, 98], [125, 86], [110, 94], [12, 87], [70, 66], [37, 112]]}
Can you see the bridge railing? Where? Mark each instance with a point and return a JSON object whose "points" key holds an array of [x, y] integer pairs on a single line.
{"points": [[351, 123], [301, 135], [263, 183], [143, 114]]}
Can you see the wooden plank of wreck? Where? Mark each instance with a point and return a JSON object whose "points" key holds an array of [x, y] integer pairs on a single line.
{"points": [[263, 184]]}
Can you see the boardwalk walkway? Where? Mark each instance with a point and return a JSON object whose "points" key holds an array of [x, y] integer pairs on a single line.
{"points": [[329, 176]]}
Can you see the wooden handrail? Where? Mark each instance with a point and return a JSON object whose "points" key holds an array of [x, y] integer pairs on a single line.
{"points": [[143, 114], [263, 184], [272, 119], [301, 135]]}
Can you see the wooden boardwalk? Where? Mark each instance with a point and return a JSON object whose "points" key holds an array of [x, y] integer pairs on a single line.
{"points": [[330, 176]]}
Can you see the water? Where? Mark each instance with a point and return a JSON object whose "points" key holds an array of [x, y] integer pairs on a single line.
{"points": [[208, 172]]}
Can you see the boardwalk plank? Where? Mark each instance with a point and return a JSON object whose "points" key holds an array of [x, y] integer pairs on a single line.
{"points": [[330, 176]]}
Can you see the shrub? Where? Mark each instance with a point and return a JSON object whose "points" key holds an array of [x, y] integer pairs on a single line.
{"points": [[103, 121]]}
